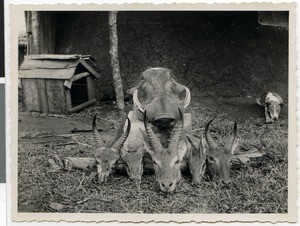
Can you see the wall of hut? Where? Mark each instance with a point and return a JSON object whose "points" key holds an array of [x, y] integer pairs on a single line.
{"points": [[216, 54]]}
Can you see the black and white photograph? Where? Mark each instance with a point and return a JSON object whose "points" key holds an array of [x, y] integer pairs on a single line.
{"points": [[154, 112]]}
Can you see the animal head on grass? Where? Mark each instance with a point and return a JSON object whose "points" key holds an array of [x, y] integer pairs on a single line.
{"points": [[218, 158], [166, 161], [132, 154], [273, 109], [107, 155]]}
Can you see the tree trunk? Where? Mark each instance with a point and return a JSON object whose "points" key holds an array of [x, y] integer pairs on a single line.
{"points": [[115, 59]]}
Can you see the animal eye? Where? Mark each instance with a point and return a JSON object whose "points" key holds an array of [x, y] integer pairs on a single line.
{"points": [[177, 162], [211, 159]]}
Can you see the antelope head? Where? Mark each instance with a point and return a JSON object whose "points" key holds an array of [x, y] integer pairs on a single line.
{"points": [[166, 161], [107, 155], [218, 158]]}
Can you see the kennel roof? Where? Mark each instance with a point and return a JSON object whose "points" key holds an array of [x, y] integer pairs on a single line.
{"points": [[54, 66]]}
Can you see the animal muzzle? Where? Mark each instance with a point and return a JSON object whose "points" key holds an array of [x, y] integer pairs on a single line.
{"points": [[225, 183], [164, 121], [102, 176], [167, 186]]}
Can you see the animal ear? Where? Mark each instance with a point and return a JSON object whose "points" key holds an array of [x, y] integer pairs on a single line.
{"points": [[235, 145], [282, 105], [267, 104]]}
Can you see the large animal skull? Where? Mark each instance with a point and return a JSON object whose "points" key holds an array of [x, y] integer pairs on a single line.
{"points": [[107, 155], [166, 161], [218, 158], [160, 95]]}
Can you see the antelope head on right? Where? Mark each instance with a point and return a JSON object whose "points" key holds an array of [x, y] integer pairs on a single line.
{"points": [[218, 158], [107, 155]]}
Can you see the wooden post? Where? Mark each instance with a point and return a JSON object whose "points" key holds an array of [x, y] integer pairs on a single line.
{"points": [[40, 28], [115, 59]]}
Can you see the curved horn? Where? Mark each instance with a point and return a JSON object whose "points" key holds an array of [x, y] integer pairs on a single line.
{"points": [[176, 133], [153, 139], [210, 141], [187, 97], [228, 145], [98, 140], [119, 143], [136, 101]]}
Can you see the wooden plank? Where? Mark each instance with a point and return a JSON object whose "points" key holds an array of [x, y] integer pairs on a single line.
{"points": [[31, 95], [90, 68], [30, 64], [81, 106], [42, 94], [68, 98], [28, 31], [55, 56], [47, 73], [35, 32], [56, 96], [79, 76], [90, 87]]}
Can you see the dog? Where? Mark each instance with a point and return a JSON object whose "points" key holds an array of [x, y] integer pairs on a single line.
{"points": [[273, 103]]}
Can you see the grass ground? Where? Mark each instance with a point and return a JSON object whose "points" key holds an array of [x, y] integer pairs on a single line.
{"points": [[257, 188]]}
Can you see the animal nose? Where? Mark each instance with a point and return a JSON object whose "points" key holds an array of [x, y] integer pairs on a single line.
{"points": [[163, 122], [167, 184], [225, 182]]}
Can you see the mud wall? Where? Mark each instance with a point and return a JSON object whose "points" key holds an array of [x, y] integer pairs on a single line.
{"points": [[213, 53]]}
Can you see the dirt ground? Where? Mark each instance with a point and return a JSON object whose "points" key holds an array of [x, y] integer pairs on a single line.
{"points": [[240, 109]]}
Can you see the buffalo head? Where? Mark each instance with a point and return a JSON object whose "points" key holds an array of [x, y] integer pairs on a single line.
{"points": [[160, 95]]}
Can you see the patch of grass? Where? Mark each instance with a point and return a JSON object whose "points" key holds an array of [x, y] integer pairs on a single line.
{"points": [[261, 188]]}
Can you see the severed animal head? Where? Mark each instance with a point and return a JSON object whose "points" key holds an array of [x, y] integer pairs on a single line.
{"points": [[166, 161], [160, 95], [218, 158], [132, 154], [107, 155]]}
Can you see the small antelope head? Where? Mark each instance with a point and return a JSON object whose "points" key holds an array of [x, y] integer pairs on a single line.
{"points": [[166, 161], [218, 158], [107, 156], [132, 154]]}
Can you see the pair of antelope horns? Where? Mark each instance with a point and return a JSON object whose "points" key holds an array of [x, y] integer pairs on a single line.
{"points": [[115, 145], [175, 137], [213, 145]]}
